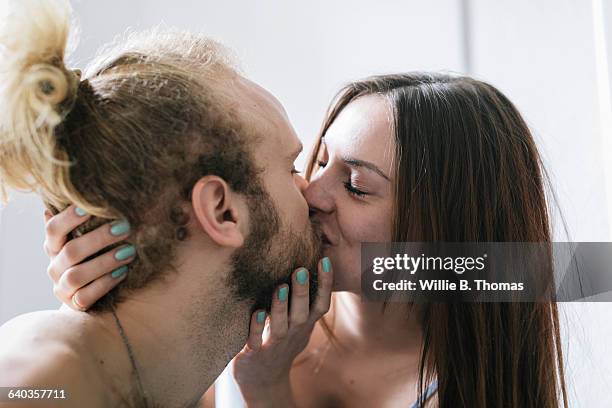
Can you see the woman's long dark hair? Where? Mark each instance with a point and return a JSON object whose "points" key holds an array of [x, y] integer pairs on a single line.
{"points": [[467, 170]]}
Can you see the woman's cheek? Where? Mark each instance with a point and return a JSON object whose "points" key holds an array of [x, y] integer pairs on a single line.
{"points": [[346, 258], [368, 226], [346, 262]]}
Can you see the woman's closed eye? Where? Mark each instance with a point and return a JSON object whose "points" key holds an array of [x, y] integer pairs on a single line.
{"points": [[348, 185], [354, 190]]}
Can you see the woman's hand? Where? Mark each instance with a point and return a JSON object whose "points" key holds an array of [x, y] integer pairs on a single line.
{"points": [[80, 285], [262, 368]]}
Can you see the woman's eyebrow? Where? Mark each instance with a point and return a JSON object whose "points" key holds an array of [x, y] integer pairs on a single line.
{"points": [[351, 161]]}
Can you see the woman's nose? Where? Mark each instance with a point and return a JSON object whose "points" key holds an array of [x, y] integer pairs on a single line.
{"points": [[318, 197]]}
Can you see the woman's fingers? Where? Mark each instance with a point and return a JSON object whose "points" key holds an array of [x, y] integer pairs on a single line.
{"points": [[80, 275], [78, 249], [59, 226], [88, 295], [299, 310], [258, 321], [278, 313], [325, 280]]}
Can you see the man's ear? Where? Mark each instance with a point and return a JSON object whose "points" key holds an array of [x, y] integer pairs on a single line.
{"points": [[217, 209]]}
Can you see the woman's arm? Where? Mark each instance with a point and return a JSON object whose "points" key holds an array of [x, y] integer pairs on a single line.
{"points": [[275, 396], [262, 368], [76, 283], [208, 399]]}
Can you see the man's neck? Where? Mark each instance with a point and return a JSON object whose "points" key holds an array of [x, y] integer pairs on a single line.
{"points": [[181, 336], [174, 370]]}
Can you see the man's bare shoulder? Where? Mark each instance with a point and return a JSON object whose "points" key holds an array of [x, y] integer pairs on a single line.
{"points": [[41, 350]]}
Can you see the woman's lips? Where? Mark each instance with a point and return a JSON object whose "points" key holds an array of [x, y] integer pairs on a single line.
{"points": [[325, 240]]}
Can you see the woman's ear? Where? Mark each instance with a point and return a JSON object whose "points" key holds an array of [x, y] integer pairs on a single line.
{"points": [[217, 209]]}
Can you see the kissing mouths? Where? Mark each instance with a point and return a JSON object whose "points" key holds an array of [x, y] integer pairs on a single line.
{"points": [[325, 239]]}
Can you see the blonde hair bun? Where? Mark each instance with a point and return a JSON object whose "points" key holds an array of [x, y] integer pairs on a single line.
{"points": [[36, 90]]}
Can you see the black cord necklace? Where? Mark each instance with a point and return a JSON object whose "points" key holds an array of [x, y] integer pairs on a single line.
{"points": [[132, 359]]}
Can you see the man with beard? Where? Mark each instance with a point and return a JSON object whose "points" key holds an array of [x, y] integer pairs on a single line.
{"points": [[163, 133]]}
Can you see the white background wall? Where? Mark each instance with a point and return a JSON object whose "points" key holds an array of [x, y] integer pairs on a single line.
{"points": [[551, 57]]}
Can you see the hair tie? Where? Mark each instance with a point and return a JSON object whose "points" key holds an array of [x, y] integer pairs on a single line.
{"points": [[69, 103]]}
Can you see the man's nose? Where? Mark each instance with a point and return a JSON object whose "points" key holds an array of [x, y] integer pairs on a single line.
{"points": [[302, 184]]}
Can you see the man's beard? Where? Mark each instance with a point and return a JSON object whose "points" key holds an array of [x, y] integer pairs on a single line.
{"points": [[270, 254]]}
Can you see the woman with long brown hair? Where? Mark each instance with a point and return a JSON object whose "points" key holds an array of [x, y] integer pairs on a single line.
{"points": [[415, 157]]}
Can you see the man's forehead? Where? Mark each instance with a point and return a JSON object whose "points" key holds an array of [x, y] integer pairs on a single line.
{"points": [[264, 113], [258, 100]]}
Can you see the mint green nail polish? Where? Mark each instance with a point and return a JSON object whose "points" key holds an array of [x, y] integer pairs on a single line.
{"points": [[302, 276], [125, 253], [80, 212], [283, 293], [326, 264], [119, 272], [261, 317], [120, 228]]}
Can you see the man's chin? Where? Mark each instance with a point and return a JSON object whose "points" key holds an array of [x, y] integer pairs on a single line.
{"points": [[257, 278]]}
